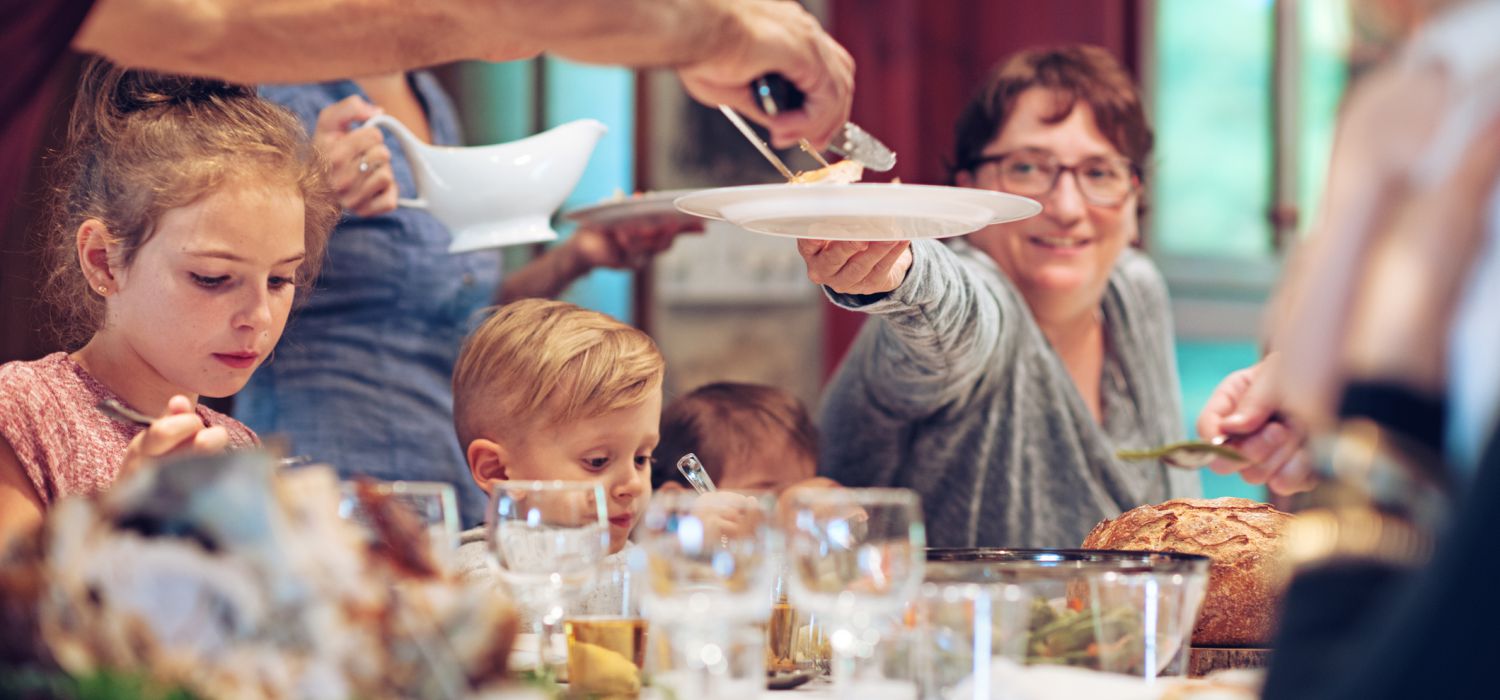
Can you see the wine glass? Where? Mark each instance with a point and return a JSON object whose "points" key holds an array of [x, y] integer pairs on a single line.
{"points": [[856, 558], [709, 561], [548, 539], [433, 504]]}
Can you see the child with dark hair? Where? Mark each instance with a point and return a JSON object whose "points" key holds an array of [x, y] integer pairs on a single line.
{"points": [[748, 436]]}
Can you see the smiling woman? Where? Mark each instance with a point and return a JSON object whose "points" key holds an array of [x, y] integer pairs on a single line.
{"points": [[191, 211], [998, 376]]}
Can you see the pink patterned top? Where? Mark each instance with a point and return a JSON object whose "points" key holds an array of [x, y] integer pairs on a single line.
{"points": [[65, 444]]}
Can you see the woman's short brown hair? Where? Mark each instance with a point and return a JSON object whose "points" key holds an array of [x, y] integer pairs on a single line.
{"points": [[142, 143], [1076, 73]]}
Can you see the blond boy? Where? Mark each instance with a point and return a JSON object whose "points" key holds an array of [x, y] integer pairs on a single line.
{"points": [[548, 390]]}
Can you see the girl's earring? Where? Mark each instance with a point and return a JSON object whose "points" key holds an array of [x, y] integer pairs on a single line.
{"points": [[103, 289]]}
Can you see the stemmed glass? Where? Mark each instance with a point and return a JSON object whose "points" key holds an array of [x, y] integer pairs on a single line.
{"points": [[549, 539], [433, 504], [709, 561], [856, 558]]}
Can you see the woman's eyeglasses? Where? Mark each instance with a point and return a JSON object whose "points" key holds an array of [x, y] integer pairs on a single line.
{"points": [[1033, 172]]}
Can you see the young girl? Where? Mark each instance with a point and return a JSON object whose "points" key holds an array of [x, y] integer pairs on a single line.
{"points": [[191, 210]]}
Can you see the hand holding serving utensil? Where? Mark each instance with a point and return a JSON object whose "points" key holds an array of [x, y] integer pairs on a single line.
{"points": [[775, 95]]}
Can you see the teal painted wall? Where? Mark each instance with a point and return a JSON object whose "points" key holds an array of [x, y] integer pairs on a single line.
{"points": [[501, 105], [576, 91], [498, 101], [1202, 365]]}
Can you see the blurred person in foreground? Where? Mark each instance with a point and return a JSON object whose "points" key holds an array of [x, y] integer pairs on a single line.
{"points": [[1385, 333], [1449, 62]]}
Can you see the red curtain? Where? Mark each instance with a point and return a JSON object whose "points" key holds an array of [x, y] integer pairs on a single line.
{"points": [[918, 61]]}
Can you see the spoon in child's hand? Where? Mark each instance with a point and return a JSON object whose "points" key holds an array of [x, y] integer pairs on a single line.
{"points": [[1188, 454], [125, 414], [695, 473]]}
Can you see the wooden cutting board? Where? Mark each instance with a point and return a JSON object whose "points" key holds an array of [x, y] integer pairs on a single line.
{"points": [[1203, 660]]}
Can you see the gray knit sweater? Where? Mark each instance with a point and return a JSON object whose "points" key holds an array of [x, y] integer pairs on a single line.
{"points": [[952, 390]]}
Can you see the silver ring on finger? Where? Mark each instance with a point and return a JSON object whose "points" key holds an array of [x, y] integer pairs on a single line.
{"points": [[364, 165]]}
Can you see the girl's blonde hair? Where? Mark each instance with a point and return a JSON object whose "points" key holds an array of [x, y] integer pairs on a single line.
{"points": [[539, 363], [142, 143]]}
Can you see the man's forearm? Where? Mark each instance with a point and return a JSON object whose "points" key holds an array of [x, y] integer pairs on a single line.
{"points": [[253, 41], [630, 32], [545, 277]]}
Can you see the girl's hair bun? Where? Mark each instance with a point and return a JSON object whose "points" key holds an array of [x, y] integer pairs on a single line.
{"points": [[135, 90]]}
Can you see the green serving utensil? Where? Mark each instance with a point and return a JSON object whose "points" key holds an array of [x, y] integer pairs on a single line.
{"points": [[1188, 454]]}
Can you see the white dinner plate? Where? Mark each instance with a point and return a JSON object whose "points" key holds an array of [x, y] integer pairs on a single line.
{"points": [[654, 205], [858, 212]]}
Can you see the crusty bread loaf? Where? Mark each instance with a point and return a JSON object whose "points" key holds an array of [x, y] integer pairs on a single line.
{"points": [[1244, 539]]}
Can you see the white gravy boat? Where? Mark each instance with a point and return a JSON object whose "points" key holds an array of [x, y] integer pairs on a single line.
{"points": [[500, 195]]}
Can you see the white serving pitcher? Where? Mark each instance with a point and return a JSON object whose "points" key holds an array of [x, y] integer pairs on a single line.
{"points": [[500, 195]]}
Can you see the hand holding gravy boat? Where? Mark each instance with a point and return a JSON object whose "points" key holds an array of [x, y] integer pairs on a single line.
{"points": [[499, 195]]}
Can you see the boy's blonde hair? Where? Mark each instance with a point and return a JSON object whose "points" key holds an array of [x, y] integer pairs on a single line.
{"points": [[539, 362]]}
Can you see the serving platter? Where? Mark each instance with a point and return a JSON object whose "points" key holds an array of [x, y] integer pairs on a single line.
{"points": [[656, 206], [860, 211]]}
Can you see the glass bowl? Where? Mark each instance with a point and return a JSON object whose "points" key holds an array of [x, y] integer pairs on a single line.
{"points": [[1120, 612]]}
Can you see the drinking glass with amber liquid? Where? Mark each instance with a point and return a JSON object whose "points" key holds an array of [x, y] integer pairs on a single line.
{"points": [[549, 540], [607, 639], [795, 642]]}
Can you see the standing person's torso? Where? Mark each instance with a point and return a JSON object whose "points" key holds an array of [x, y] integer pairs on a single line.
{"points": [[49, 415], [1019, 460], [362, 378], [1461, 40]]}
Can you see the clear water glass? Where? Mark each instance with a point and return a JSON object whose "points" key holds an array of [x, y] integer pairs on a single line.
{"points": [[433, 503], [856, 558], [549, 539], [708, 562]]}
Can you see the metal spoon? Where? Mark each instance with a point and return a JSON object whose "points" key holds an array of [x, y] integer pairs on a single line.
{"points": [[1188, 454], [694, 471], [125, 414], [696, 474]]}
